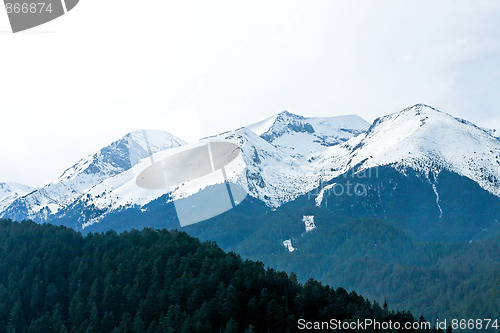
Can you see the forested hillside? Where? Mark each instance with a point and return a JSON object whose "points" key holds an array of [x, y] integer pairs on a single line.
{"points": [[371, 256], [55, 280]]}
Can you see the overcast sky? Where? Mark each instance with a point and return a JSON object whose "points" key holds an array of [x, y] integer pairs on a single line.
{"points": [[196, 68]]}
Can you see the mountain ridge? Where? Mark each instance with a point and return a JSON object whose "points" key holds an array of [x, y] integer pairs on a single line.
{"points": [[425, 139], [276, 172], [287, 131], [91, 170], [10, 191]]}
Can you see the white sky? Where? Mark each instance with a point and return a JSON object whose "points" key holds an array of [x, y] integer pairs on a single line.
{"points": [[195, 68]]}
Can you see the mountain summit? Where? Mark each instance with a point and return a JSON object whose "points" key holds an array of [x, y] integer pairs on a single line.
{"points": [[105, 163], [302, 136], [9, 192], [427, 140]]}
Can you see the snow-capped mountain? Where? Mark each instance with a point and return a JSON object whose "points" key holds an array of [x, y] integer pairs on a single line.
{"points": [[269, 173], [301, 137], [423, 139], [434, 176], [282, 158], [269, 169], [104, 164], [9, 192], [265, 171]]}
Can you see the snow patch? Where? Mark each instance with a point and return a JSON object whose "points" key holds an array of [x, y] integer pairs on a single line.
{"points": [[309, 222], [288, 244], [319, 197], [437, 200]]}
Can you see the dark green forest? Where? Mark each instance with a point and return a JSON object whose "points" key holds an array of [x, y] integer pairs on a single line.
{"points": [[56, 280], [371, 256], [437, 280]]}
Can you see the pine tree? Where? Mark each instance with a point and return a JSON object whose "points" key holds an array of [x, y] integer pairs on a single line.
{"points": [[231, 326]]}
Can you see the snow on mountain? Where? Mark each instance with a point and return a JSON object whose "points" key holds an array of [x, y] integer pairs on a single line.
{"points": [[288, 245], [282, 158], [495, 132], [424, 139], [121, 191], [272, 168], [301, 137], [309, 222], [263, 126], [9, 192], [272, 175], [104, 164], [263, 171]]}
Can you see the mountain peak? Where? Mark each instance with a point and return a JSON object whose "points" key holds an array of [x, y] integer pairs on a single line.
{"points": [[414, 117], [420, 106], [115, 158], [10, 191], [426, 139], [300, 136], [123, 153], [286, 114]]}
